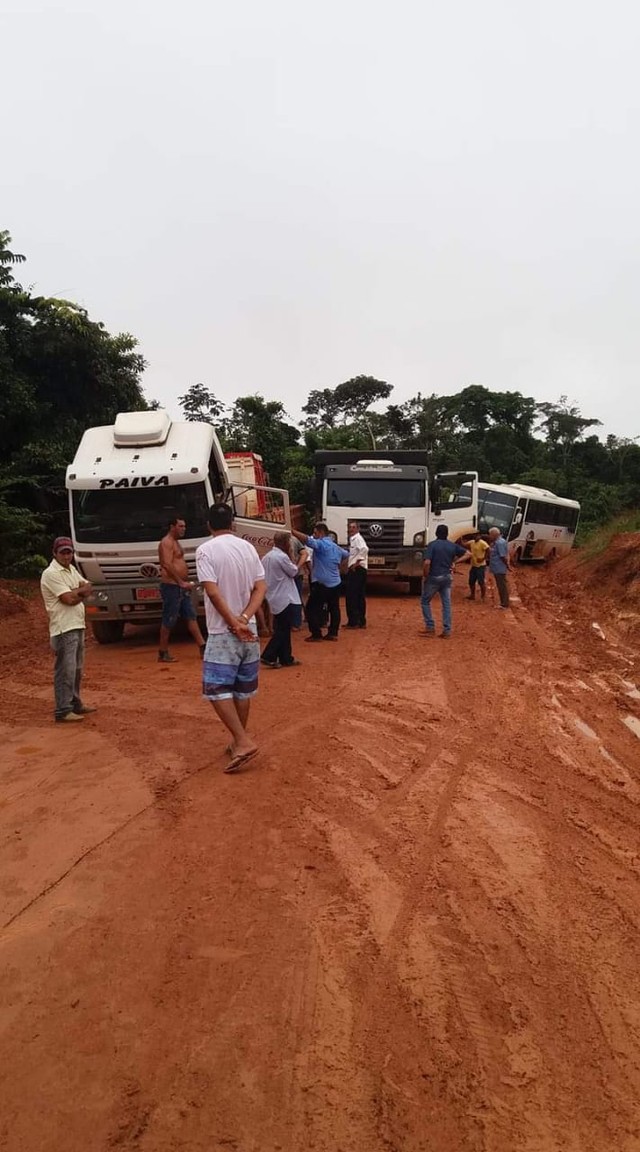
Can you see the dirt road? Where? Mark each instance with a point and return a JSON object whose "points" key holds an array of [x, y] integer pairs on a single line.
{"points": [[413, 926]]}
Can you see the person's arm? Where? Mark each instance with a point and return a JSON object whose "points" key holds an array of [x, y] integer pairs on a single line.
{"points": [[462, 553], [69, 596], [288, 566], [302, 537], [426, 566], [504, 552]]}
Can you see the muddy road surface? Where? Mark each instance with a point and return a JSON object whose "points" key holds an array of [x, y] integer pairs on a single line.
{"points": [[411, 926]]}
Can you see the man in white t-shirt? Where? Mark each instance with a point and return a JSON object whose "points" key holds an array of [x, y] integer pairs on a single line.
{"points": [[233, 579], [356, 581]]}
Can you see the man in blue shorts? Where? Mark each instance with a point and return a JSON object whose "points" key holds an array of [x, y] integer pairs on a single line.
{"points": [[175, 589], [233, 579], [440, 557]]}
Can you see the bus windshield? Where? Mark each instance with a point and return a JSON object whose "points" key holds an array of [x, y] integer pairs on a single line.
{"points": [[361, 492], [495, 510], [129, 515]]}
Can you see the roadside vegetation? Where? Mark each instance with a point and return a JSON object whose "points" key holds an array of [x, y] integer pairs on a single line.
{"points": [[61, 372]]}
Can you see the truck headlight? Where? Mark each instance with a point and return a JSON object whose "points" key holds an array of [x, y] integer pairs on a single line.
{"points": [[418, 539]]}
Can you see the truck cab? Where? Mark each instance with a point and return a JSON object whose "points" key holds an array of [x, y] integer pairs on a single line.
{"points": [[126, 482]]}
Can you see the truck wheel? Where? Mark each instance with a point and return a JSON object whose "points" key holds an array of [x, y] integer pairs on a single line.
{"points": [[107, 631], [415, 586]]}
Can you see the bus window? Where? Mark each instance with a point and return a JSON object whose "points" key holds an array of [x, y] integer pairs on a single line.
{"points": [[495, 510]]}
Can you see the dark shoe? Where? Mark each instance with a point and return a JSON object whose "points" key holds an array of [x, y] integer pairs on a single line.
{"points": [[469, 597], [84, 710], [330, 637], [311, 639], [362, 625], [269, 663], [69, 718], [292, 664], [353, 625], [445, 635], [166, 658]]}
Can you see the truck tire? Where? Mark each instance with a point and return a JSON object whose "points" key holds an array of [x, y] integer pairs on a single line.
{"points": [[108, 631], [415, 586]]}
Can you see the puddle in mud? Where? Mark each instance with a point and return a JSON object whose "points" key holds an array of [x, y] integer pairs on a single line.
{"points": [[633, 724], [585, 729]]}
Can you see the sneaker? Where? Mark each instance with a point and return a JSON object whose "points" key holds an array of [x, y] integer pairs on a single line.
{"points": [[84, 710], [69, 718], [166, 658]]}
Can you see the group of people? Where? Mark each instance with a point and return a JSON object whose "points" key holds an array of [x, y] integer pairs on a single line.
{"points": [[235, 582], [440, 559]]}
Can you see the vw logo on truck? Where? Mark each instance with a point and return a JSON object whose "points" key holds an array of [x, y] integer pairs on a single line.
{"points": [[375, 530]]}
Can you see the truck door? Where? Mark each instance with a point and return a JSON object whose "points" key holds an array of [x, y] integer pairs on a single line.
{"points": [[259, 513], [454, 502]]}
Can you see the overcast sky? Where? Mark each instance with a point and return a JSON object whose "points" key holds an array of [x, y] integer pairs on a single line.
{"points": [[275, 196]]}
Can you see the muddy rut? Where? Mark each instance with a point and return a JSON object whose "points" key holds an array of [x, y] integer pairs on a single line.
{"points": [[411, 927]]}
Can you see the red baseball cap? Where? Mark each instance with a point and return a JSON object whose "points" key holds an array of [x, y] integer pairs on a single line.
{"points": [[61, 543]]}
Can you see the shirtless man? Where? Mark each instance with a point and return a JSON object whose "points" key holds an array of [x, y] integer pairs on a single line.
{"points": [[175, 589]]}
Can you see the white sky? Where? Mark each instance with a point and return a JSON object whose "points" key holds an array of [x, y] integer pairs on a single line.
{"points": [[275, 196]]}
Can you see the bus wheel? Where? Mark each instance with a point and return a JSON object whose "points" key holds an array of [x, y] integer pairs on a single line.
{"points": [[415, 586], [108, 631]]}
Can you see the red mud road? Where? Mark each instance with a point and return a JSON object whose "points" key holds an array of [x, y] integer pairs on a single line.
{"points": [[413, 926]]}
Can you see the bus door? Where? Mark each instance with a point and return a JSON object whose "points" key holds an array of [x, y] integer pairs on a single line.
{"points": [[519, 519], [454, 502]]}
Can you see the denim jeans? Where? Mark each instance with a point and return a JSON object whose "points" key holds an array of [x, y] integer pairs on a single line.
{"points": [[443, 590], [67, 676]]}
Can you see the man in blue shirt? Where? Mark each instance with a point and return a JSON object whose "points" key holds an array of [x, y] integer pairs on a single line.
{"points": [[440, 557], [325, 581], [499, 564]]}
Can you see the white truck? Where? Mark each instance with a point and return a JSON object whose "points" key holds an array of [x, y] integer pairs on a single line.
{"points": [[126, 482], [396, 505]]}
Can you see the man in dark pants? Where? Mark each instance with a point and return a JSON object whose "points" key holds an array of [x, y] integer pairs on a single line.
{"points": [[284, 600], [356, 581], [499, 564], [325, 582]]}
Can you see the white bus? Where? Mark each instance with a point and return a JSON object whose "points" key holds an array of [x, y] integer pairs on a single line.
{"points": [[537, 524]]}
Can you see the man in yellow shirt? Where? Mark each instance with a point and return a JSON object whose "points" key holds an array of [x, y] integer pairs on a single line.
{"points": [[64, 593], [479, 549]]}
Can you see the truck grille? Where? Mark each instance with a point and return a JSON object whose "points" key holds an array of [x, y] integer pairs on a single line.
{"points": [[387, 542], [130, 573]]}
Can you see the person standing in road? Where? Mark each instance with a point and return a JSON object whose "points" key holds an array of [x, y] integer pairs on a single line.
{"points": [[64, 593], [477, 572], [325, 582], [175, 589], [284, 600], [440, 558], [499, 564], [233, 579], [356, 580]]}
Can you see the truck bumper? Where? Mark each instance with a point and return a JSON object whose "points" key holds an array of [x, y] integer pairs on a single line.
{"points": [[407, 565], [138, 604]]}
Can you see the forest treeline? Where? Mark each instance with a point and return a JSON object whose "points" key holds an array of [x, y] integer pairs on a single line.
{"points": [[61, 372]]}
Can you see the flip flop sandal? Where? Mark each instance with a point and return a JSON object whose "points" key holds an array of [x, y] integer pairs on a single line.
{"points": [[238, 761]]}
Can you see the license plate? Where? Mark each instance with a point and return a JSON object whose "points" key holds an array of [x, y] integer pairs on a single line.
{"points": [[147, 594], [378, 561]]}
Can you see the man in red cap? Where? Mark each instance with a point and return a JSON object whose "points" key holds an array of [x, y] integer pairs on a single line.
{"points": [[64, 592]]}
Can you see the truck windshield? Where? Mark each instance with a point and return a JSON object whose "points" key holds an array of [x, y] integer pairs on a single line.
{"points": [[361, 492], [129, 515], [495, 510]]}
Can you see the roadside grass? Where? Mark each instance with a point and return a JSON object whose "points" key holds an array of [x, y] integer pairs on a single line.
{"points": [[597, 538], [26, 589]]}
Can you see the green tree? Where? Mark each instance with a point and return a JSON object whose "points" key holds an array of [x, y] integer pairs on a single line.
{"points": [[61, 372], [199, 403], [347, 404], [262, 426], [564, 426]]}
